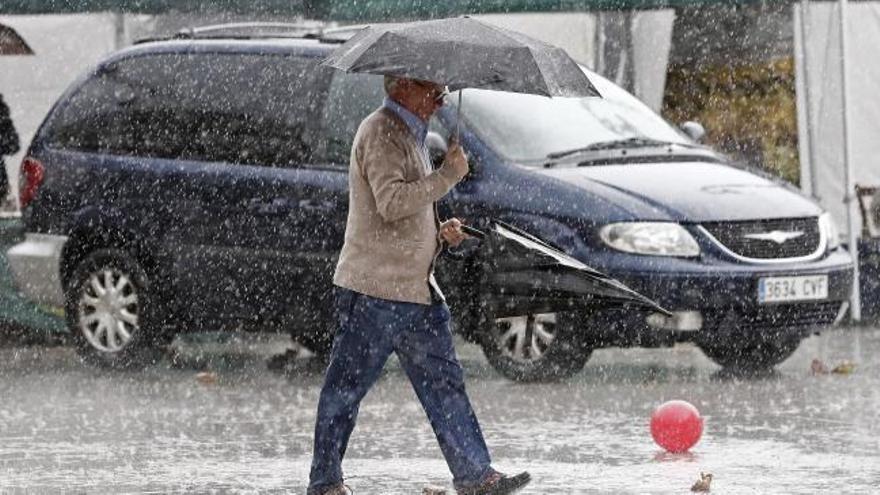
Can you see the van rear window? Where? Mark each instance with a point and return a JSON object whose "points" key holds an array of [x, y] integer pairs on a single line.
{"points": [[250, 109]]}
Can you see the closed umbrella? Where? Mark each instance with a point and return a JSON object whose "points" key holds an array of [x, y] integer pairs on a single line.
{"points": [[516, 264]]}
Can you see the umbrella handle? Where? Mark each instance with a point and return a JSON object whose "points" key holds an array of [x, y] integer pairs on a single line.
{"points": [[473, 232]]}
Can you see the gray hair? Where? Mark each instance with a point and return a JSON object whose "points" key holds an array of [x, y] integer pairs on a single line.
{"points": [[391, 83]]}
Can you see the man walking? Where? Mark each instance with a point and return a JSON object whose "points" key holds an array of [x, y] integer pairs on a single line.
{"points": [[387, 299]]}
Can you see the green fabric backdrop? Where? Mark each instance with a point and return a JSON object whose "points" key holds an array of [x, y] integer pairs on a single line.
{"points": [[345, 10]]}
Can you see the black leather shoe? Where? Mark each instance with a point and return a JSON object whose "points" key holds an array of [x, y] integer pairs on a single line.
{"points": [[339, 489], [498, 484]]}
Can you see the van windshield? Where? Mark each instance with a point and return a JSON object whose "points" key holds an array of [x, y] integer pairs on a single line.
{"points": [[528, 128]]}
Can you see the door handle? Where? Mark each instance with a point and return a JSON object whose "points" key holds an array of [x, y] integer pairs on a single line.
{"points": [[317, 205], [275, 206]]}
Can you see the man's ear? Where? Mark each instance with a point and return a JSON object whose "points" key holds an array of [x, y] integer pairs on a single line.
{"points": [[404, 85]]}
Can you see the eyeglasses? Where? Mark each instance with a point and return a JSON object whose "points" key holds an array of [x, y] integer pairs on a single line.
{"points": [[443, 94], [444, 90]]}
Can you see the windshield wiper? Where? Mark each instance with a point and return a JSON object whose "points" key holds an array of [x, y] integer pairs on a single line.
{"points": [[633, 142]]}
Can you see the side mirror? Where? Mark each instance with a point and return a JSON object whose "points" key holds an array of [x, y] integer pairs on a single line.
{"points": [[694, 130], [436, 148]]}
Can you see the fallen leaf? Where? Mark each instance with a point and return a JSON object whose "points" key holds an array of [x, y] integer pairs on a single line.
{"points": [[207, 377], [703, 484], [844, 368]]}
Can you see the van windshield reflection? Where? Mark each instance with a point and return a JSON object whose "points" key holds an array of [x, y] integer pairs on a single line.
{"points": [[529, 128]]}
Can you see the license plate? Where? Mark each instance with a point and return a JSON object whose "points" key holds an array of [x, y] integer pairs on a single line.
{"points": [[786, 289]]}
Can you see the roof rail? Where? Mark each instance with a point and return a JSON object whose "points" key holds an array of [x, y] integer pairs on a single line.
{"points": [[325, 32], [254, 30]]}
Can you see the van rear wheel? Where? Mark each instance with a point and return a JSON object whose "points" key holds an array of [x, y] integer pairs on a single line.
{"points": [[110, 312], [535, 347]]}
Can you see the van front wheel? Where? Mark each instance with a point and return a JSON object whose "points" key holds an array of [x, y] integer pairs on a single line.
{"points": [[535, 347], [751, 353]]}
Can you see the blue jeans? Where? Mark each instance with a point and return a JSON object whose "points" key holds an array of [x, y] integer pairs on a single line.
{"points": [[369, 329]]}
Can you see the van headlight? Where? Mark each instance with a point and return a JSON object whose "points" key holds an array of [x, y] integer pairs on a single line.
{"points": [[829, 228], [651, 238]]}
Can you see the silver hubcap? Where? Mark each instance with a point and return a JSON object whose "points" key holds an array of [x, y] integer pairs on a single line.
{"points": [[108, 310], [526, 338]]}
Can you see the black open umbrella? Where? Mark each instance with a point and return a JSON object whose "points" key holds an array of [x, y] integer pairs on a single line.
{"points": [[463, 52], [526, 272]]}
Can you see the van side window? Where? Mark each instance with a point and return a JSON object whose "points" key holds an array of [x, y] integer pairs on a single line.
{"points": [[350, 99], [236, 108]]}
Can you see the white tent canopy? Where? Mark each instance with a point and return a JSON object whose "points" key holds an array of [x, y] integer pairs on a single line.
{"points": [[838, 106]]}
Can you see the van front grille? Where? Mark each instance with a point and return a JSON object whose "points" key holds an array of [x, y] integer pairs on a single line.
{"points": [[768, 239]]}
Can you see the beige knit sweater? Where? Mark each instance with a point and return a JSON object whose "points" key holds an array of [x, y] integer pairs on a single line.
{"points": [[391, 232]]}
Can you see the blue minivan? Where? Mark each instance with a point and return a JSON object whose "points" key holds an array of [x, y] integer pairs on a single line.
{"points": [[200, 183]]}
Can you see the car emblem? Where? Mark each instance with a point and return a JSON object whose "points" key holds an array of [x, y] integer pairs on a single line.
{"points": [[777, 236]]}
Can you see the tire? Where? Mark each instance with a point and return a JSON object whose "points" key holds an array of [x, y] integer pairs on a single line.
{"points": [[319, 343], [535, 347], [751, 353], [111, 312], [748, 350]]}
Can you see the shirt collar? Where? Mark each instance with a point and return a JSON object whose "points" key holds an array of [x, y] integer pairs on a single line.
{"points": [[417, 126]]}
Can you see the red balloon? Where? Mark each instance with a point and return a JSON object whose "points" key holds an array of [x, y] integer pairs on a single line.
{"points": [[676, 426]]}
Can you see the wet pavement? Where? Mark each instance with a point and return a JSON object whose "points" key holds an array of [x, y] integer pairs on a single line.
{"points": [[66, 427]]}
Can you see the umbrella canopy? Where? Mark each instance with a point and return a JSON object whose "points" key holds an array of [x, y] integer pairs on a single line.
{"points": [[516, 264], [11, 43], [461, 53]]}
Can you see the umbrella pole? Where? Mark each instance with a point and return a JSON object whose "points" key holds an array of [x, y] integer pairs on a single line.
{"points": [[458, 120]]}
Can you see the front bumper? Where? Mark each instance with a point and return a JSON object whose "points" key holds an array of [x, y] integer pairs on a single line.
{"points": [[726, 299], [36, 268], [706, 291]]}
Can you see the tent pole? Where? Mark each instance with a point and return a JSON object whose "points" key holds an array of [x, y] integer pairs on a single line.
{"points": [[119, 30], [808, 102], [849, 178]]}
